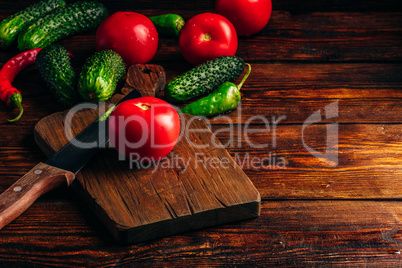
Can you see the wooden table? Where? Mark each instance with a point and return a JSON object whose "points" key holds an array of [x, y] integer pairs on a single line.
{"points": [[314, 213]]}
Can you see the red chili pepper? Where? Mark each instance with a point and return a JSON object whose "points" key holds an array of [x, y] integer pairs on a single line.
{"points": [[9, 94]]}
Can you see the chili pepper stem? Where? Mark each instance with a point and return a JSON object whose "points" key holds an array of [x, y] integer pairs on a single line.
{"points": [[19, 105], [15, 101], [245, 77]]}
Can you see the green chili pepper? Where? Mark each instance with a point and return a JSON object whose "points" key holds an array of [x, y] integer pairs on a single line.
{"points": [[168, 25], [223, 99]]}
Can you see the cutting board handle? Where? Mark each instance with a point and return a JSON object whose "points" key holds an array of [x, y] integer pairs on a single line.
{"points": [[148, 79], [38, 181]]}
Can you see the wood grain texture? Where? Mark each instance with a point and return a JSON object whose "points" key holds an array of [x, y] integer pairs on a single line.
{"points": [[312, 53], [197, 185], [369, 160], [311, 37], [293, 90], [183, 5], [324, 37], [150, 84], [287, 233], [281, 167]]}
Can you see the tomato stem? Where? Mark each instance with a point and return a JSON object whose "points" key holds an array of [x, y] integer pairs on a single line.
{"points": [[143, 106], [207, 37]]}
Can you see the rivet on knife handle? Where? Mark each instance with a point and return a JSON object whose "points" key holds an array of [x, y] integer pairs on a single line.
{"points": [[38, 181]]}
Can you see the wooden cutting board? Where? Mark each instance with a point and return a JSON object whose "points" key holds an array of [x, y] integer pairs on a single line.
{"points": [[193, 187]]}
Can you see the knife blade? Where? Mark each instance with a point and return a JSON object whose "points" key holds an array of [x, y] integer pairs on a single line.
{"points": [[58, 169], [73, 158]]}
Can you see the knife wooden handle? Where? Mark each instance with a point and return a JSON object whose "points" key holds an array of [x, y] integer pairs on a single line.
{"points": [[39, 180]]}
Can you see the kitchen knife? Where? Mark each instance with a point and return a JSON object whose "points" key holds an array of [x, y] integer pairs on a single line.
{"points": [[58, 169]]}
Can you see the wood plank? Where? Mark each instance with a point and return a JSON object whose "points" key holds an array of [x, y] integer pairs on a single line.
{"points": [[285, 5], [316, 80], [327, 37], [279, 89], [324, 37], [317, 37], [296, 111], [369, 166], [339, 5], [366, 93], [16, 161], [369, 156], [288, 233], [17, 136]]}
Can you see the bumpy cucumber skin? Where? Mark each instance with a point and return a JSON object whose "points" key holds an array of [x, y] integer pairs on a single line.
{"points": [[168, 25], [55, 68], [204, 78], [74, 18], [11, 26], [99, 76]]}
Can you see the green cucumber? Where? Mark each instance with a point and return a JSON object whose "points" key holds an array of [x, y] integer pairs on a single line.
{"points": [[54, 65], [100, 74], [168, 25], [204, 78], [11, 26], [73, 18]]}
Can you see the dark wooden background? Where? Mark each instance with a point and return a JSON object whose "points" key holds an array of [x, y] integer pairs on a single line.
{"points": [[311, 54]]}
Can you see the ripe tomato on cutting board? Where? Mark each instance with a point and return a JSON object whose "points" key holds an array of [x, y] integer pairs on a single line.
{"points": [[144, 129]]}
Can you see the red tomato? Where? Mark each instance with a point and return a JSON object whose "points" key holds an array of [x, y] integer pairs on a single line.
{"points": [[132, 35], [144, 129], [207, 36], [248, 16]]}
